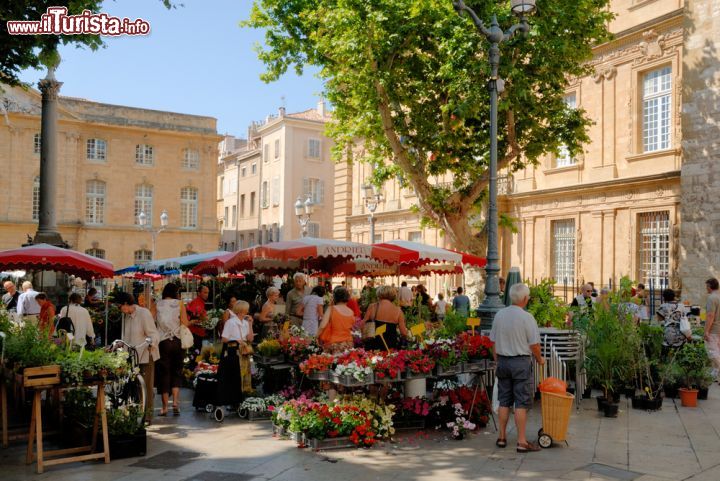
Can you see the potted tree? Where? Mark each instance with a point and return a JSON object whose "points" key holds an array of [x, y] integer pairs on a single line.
{"points": [[608, 355], [694, 363]]}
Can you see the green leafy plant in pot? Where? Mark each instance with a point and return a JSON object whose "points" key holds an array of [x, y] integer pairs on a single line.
{"points": [[609, 354], [694, 364], [547, 309]]}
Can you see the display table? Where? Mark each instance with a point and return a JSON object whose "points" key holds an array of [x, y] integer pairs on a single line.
{"points": [[45, 378]]}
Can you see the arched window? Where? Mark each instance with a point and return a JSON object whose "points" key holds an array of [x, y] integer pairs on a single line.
{"points": [[188, 207], [144, 202], [36, 199], [95, 202]]}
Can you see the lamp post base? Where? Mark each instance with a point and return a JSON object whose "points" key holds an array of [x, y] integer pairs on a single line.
{"points": [[486, 312], [49, 237]]}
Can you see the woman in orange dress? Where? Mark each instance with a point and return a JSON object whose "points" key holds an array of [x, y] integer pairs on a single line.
{"points": [[335, 331]]}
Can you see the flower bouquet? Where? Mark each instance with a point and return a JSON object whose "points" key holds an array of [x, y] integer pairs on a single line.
{"points": [[388, 367], [477, 350], [270, 352], [317, 366], [354, 373], [448, 357], [297, 348], [212, 319], [418, 363]]}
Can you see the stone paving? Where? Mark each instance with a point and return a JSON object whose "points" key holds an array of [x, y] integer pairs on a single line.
{"points": [[675, 443]]}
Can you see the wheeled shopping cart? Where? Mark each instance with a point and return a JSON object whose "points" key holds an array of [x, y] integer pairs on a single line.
{"points": [[556, 410]]}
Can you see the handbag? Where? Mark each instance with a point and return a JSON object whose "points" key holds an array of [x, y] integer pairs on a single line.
{"points": [[368, 330], [246, 349], [186, 338]]}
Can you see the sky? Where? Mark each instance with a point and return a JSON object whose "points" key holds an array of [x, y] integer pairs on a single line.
{"points": [[196, 60]]}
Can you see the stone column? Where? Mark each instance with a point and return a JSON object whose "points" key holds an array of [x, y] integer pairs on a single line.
{"points": [[47, 228]]}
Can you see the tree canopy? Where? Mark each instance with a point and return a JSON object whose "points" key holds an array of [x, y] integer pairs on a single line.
{"points": [[19, 52], [408, 79]]}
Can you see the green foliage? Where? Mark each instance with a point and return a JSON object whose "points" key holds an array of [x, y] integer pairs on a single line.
{"points": [[19, 52], [124, 420], [407, 78], [611, 349], [453, 324], [548, 309], [27, 347], [76, 366], [79, 405], [694, 363], [417, 314]]}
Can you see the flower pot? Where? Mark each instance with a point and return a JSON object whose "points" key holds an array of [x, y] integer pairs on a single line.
{"points": [[688, 397], [703, 393], [601, 402], [638, 402], [128, 445], [654, 404], [415, 387], [611, 410], [319, 375], [629, 392], [587, 393], [409, 374]]}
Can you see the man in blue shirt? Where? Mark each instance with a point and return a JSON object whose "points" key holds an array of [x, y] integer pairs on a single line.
{"points": [[461, 303]]}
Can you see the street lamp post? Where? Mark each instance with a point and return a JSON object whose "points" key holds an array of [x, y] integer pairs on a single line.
{"points": [[143, 223], [372, 199], [303, 211], [495, 35]]}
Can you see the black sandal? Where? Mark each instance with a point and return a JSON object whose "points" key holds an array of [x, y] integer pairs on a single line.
{"points": [[163, 413], [176, 411], [501, 443]]}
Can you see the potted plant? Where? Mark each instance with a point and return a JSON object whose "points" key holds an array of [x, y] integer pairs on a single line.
{"points": [[126, 434], [547, 309], [608, 354], [694, 363]]}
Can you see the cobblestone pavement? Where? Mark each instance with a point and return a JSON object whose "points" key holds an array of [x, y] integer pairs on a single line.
{"points": [[675, 443]]}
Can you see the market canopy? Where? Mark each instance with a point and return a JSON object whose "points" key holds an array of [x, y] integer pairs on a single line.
{"points": [[308, 253], [182, 263], [47, 257], [214, 265], [418, 254]]}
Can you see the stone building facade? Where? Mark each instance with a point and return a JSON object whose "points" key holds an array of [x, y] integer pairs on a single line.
{"points": [[700, 178], [113, 162], [285, 157], [615, 209], [394, 219]]}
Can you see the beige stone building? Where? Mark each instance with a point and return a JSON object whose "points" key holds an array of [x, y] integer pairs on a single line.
{"points": [[394, 219], [285, 157], [114, 161], [616, 209]]}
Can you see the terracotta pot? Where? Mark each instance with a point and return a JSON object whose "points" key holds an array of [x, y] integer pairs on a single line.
{"points": [[688, 397]]}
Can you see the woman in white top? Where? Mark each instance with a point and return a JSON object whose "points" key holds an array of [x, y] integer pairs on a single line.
{"points": [[82, 323], [227, 314], [169, 313], [312, 306], [234, 370], [441, 307]]}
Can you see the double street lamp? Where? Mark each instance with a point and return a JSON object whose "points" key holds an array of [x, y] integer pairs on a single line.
{"points": [[143, 224], [495, 35], [303, 211], [372, 199]]}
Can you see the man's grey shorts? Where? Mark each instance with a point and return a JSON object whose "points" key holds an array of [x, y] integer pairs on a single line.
{"points": [[515, 381]]}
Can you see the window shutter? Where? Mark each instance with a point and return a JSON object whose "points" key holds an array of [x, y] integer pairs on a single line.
{"points": [[321, 189], [306, 186], [276, 191]]}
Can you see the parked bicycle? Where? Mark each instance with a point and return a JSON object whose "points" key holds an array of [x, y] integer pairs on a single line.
{"points": [[129, 388]]}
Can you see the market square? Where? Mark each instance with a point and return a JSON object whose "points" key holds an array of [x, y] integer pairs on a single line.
{"points": [[388, 240]]}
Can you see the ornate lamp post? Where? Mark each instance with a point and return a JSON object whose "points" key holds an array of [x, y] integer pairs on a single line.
{"points": [[143, 223], [372, 199], [495, 35], [303, 211]]}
